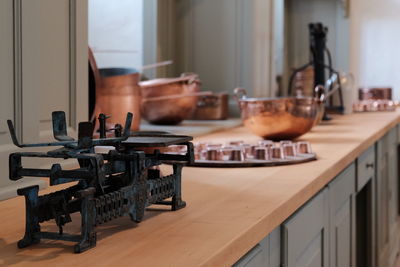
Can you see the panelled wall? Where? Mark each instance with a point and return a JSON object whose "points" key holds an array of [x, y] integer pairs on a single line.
{"points": [[43, 68], [228, 43]]}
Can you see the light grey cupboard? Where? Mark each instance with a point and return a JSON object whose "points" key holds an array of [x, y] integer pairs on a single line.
{"points": [[264, 254], [365, 209], [306, 234], [341, 219], [387, 199], [43, 67], [322, 233], [352, 222]]}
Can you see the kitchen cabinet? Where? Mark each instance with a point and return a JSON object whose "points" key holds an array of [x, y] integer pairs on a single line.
{"points": [[43, 68], [6, 68], [341, 219], [322, 232], [264, 254], [365, 209], [387, 199], [306, 234]]}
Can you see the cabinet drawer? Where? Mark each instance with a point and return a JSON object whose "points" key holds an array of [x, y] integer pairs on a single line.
{"points": [[365, 167]]}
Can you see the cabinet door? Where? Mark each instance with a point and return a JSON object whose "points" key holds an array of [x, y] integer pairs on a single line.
{"points": [[306, 234], [341, 208], [6, 69], [43, 67], [393, 195], [264, 254], [382, 200]]}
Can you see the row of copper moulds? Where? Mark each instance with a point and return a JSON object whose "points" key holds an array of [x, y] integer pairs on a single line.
{"points": [[375, 99], [265, 150]]}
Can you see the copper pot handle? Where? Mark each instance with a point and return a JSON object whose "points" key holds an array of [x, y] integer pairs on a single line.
{"points": [[194, 79], [240, 93], [319, 93]]}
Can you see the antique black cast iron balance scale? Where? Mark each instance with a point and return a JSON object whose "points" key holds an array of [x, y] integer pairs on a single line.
{"points": [[123, 181]]}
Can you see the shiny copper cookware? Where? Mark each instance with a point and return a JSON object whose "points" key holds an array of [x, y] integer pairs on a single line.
{"points": [[212, 107], [375, 93], [117, 92], [280, 118], [187, 83], [170, 110], [169, 101]]}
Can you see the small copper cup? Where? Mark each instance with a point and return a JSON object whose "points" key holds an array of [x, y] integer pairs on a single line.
{"points": [[277, 153], [289, 150], [213, 154], [247, 150], [285, 142], [304, 147], [237, 154], [261, 153], [226, 152]]}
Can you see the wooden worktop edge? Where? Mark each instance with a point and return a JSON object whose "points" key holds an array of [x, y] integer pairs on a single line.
{"points": [[233, 251]]}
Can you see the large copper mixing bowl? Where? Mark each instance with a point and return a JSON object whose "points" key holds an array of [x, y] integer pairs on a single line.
{"points": [[282, 118]]}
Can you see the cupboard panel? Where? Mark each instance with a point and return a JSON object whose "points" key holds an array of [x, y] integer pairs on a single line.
{"points": [[45, 32], [6, 68], [306, 234]]}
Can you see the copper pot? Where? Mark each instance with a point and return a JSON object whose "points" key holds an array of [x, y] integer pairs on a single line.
{"points": [[212, 107], [279, 118], [119, 94], [170, 110], [187, 83]]}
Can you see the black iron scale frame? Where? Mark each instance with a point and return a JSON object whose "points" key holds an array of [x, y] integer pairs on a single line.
{"points": [[118, 183]]}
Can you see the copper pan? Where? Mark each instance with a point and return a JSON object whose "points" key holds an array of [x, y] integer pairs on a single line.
{"points": [[281, 118], [187, 83], [116, 94]]}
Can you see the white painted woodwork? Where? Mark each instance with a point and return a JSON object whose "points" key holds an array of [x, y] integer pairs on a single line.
{"points": [[43, 68], [45, 63], [116, 32], [6, 68]]}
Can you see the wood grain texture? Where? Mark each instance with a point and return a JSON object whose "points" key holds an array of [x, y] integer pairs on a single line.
{"points": [[229, 210]]}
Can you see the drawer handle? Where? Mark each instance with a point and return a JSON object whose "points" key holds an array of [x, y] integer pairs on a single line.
{"points": [[369, 165]]}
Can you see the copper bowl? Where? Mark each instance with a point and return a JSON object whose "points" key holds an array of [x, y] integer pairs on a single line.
{"points": [[279, 118], [187, 83], [170, 110]]}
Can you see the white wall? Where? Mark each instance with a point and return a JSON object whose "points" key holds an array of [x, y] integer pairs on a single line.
{"points": [[375, 39], [116, 32]]}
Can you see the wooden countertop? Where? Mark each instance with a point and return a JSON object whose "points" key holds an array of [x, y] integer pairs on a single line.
{"points": [[228, 211]]}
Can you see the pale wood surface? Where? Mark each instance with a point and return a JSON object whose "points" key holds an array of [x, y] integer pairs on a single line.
{"points": [[228, 211]]}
